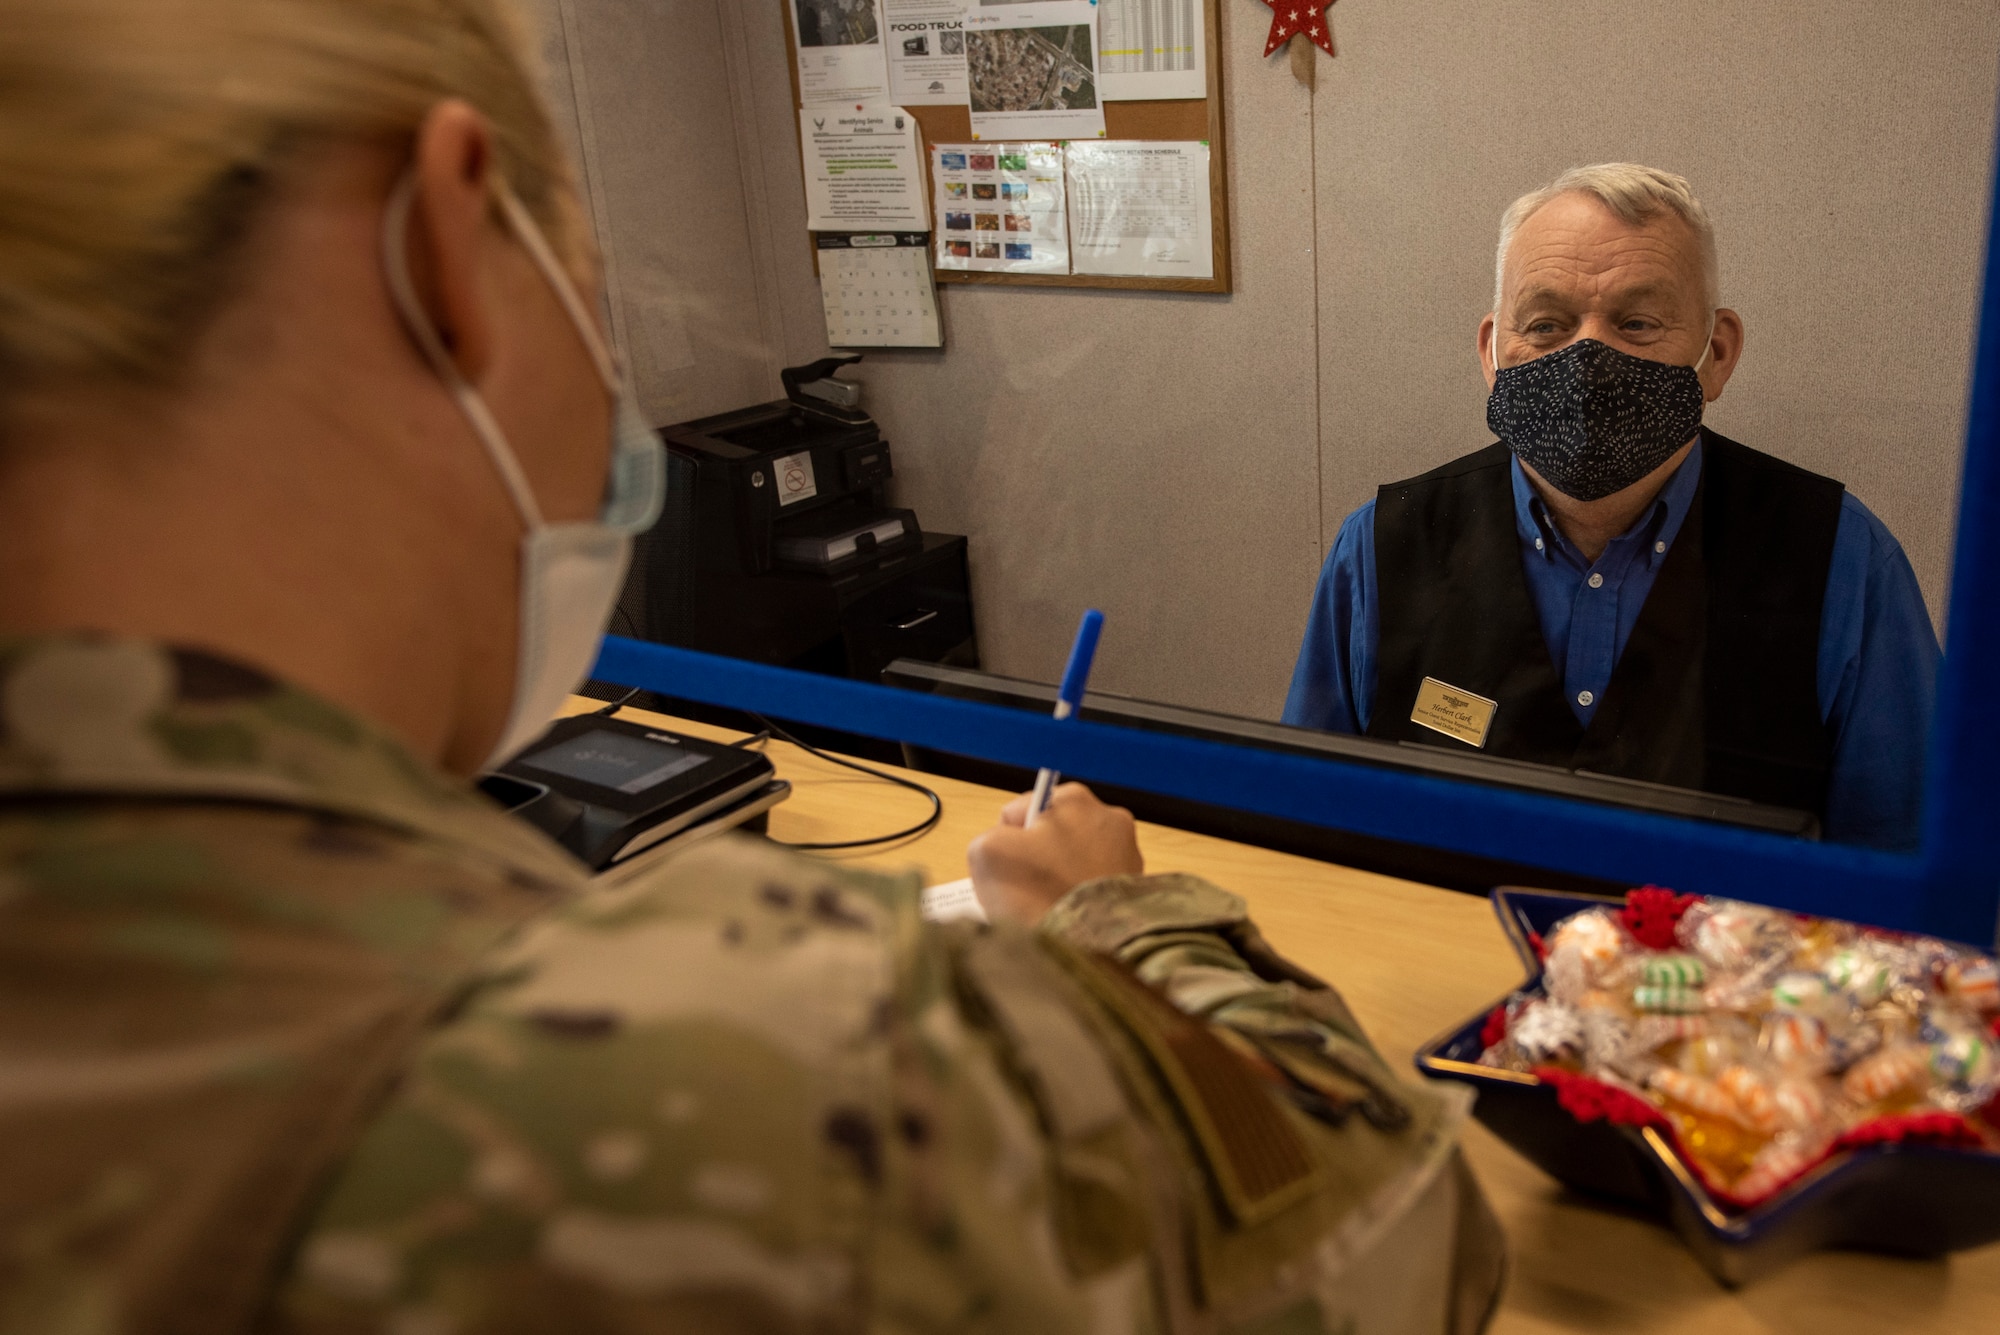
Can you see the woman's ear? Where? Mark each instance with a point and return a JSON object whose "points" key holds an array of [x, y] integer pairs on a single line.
{"points": [[451, 232]]}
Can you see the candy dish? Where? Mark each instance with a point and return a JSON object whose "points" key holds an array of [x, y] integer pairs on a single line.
{"points": [[1904, 1198]]}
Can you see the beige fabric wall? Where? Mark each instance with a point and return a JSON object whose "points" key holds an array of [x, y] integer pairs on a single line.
{"points": [[644, 90], [1182, 462]]}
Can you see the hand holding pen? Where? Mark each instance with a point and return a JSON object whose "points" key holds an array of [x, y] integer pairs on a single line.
{"points": [[1069, 700], [1052, 840]]}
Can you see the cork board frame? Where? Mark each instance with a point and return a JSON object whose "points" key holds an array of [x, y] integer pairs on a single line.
{"points": [[1178, 121]]}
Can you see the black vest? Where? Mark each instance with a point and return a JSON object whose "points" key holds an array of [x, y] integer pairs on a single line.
{"points": [[1718, 687]]}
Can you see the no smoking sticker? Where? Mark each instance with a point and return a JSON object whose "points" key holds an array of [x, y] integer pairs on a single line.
{"points": [[795, 478]]}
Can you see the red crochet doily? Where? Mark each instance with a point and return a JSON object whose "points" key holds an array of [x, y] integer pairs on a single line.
{"points": [[1651, 913]]}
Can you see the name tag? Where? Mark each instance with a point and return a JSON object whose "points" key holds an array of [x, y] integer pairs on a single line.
{"points": [[1453, 712]]}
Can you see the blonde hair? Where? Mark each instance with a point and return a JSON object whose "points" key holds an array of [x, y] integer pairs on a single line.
{"points": [[138, 139], [1636, 195]]}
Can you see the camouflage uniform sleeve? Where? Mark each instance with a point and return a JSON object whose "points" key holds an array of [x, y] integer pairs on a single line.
{"points": [[754, 1092], [1195, 943]]}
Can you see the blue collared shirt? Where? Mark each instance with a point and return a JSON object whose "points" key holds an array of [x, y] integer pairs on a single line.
{"points": [[1878, 654]]}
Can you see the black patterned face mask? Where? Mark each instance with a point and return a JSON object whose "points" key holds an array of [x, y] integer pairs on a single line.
{"points": [[1592, 420]]}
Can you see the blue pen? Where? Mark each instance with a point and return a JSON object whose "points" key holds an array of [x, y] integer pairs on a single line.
{"points": [[1069, 699]]}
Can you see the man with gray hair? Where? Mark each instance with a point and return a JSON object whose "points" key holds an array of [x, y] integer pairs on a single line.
{"points": [[1613, 586]]}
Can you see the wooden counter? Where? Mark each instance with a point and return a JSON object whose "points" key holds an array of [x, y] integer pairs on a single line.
{"points": [[1413, 961]]}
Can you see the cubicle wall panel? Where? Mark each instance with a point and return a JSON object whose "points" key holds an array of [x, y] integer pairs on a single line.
{"points": [[652, 110]]}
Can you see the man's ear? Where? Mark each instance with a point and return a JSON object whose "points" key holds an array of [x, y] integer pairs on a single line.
{"points": [[451, 232], [1725, 350], [1489, 330]]}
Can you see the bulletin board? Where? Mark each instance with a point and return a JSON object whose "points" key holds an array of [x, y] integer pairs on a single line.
{"points": [[1182, 121]]}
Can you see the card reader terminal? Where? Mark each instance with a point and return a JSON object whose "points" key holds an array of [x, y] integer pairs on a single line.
{"points": [[606, 789]]}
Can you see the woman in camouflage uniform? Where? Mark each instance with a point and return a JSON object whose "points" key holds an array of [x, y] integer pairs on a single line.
{"points": [[299, 1033]]}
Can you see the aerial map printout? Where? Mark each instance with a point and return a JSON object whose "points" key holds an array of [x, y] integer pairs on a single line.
{"points": [[1031, 67]]}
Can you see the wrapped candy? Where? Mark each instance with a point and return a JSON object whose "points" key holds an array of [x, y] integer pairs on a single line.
{"points": [[1755, 1106], [1668, 999], [1693, 1093], [1961, 1058], [1547, 1031], [1887, 1072], [1775, 1165], [1795, 992], [1581, 951], [1796, 1042], [1607, 1039], [1763, 1039], [1726, 934], [1862, 974], [1974, 982], [1800, 1104], [1682, 972], [1710, 1055], [1653, 1032]]}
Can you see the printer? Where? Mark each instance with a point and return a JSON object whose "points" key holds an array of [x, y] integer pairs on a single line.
{"points": [[778, 544], [796, 483]]}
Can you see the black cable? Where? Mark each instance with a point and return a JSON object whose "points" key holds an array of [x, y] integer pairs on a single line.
{"points": [[617, 704], [923, 827]]}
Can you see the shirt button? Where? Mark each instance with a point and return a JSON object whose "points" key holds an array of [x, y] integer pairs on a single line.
{"points": [[1660, 548], [1586, 699], [1538, 544], [1597, 581]]}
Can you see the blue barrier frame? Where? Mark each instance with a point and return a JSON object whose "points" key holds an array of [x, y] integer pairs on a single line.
{"points": [[1951, 888]]}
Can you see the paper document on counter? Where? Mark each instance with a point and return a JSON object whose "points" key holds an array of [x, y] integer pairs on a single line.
{"points": [[1000, 208], [926, 52], [1142, 209], [1031, 69], [1152, 50], [952, 901], [864, 170], [840, 51]]}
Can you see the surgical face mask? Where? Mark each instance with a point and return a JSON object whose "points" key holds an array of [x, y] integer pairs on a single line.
{"points": [[1592, 420], [571, 574]]}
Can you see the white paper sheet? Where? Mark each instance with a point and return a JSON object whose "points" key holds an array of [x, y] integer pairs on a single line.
{"points": [[1152, 50], [878, 290], [864, 170], [1141, 208], [926, 52], [1031, 69], [840, 51], [1000, 208], [953, 901]]}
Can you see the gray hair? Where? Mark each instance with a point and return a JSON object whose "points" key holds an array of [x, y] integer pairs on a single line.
{"points": [[1636, 194]]}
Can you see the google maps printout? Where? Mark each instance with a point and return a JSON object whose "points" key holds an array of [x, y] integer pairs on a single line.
{"points": [[1031, 69]]}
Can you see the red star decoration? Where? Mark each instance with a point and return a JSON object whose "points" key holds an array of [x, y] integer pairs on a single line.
{"points": [[1291, 17]]}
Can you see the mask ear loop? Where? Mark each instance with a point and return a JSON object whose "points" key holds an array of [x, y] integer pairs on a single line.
{"points": [[396, 263], [1707, 345], [531, 238]]}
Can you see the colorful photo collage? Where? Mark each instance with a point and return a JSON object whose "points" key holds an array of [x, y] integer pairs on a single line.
{"points": [[1001, 208]]}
